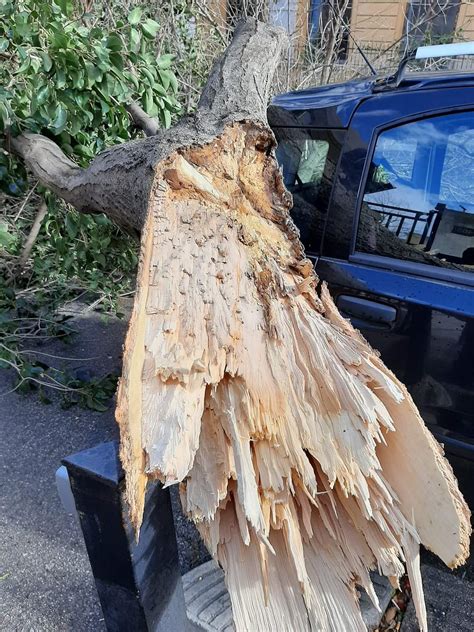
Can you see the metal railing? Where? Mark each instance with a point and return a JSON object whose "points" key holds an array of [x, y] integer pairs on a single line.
{"points": [[395, 218]]}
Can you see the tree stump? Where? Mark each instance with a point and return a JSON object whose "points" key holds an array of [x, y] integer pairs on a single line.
{"points": [[302, 459]]}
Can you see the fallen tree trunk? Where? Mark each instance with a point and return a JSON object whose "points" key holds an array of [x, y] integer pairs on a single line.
{"points": [[302, 459]]}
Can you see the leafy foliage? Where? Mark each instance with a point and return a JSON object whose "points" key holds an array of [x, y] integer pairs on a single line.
{"points": [[69, 74], [76, 257], [65, 76]]}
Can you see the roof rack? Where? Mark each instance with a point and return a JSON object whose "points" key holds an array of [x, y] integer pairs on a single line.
{"points": [[425, 52]]}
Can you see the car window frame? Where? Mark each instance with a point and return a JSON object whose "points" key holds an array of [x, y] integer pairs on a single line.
{"points": [[392, 263]]}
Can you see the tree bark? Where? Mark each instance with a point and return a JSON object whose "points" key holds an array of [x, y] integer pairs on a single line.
{"points": [[303, 461]]}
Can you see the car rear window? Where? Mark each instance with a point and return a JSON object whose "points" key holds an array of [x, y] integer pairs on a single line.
{"points": [[308, 158]]}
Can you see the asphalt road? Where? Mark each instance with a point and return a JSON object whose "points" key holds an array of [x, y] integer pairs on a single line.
{"points": [[46, 584], [449, 602]]}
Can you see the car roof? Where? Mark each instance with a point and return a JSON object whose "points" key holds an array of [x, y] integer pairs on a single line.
{"points": [[333, 105]]}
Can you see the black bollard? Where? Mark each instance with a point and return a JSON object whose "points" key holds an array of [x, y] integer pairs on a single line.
{"points": [[139, 584]]}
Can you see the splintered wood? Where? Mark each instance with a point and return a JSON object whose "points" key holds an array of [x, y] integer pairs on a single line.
{"points": [[303, 460]]}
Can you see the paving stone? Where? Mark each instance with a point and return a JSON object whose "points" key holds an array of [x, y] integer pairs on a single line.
{"points": [[208, 602]]}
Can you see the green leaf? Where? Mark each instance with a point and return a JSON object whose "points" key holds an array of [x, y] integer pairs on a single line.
{"points": [[35, 64], [72, 58], [103, 89], [6, 239], [130, 76], [75, 125], [160, 90], [150, 28], [65, 5], [42, 95], [94, 404], [22, 54], [93, 73], [104, 107], [101, 52], [60, 120], [101, 220], [134, 40], [23, 66], [4, 115], [111, 84], [47, 61], [82, 150], [71, 226], [77, 78], [60, 78], [164, 62], [123, 91], [117, 60], [149, 75], [60, 40], [21, 26], [96, 33], [167, 118], [135, 15], [165, 78], [149, 104], [81, 99], [113, 42], [4, 43], [173, 82]]}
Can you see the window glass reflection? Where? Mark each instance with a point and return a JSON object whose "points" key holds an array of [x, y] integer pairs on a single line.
{"points": [[308, 158], [419, 198]]}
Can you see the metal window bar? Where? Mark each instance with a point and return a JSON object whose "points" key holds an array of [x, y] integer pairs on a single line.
{"points": [[405, 215]]}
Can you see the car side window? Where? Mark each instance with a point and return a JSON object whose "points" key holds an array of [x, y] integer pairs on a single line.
{"points": [[308, 159], [418, 203]]}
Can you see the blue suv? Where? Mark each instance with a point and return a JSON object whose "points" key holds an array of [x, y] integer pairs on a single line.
{"points": [[382, 177]]}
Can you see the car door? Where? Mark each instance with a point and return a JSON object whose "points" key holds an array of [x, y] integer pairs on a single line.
{"points": [[404, 274]]}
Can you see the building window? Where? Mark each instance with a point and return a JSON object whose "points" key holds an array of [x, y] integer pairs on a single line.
{"points": [[418, 203], [329, 24], [431, 21], [238, 9]]}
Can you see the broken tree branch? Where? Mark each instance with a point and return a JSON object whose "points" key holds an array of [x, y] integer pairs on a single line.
{"points": [[49, 164], [118, 181], [239, 86], [142, 120]]}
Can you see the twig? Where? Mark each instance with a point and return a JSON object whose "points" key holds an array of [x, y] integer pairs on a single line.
{"points": [[25, 202], [51, 355], [30, 240]]}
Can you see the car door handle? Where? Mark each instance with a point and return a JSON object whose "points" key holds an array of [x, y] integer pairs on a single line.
{"points": [[366, 313]]}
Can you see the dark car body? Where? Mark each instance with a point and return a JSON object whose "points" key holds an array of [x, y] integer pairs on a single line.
{"points": [[382, 177]]}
